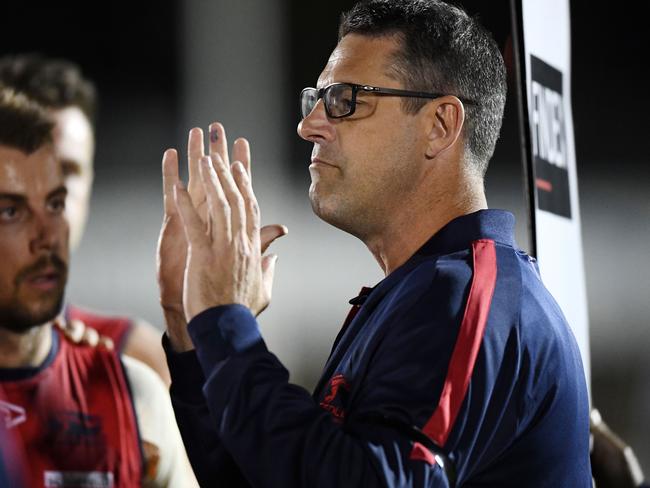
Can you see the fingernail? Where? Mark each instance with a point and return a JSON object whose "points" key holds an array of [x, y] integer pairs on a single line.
{"points": [[239, 166], [214, 135]]}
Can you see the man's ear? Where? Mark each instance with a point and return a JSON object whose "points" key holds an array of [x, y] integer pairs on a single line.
{"points": [[445, 117]]}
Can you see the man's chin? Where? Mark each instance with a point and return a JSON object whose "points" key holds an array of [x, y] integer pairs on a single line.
{"points": [[21, 320], [332, 211], [322, 206]]}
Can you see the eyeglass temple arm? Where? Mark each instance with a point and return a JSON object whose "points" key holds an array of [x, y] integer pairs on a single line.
{"points": [[409, 93]]}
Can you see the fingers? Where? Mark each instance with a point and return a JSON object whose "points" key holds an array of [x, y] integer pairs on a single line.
{"points": [[195, 151], [219, 142], [192, 224], [270, 233], [233, 206], [251, 207], [73, 330], [218, 207], [90, 337], [241, 151], [233, 196], [78, 332], [170, 178]]}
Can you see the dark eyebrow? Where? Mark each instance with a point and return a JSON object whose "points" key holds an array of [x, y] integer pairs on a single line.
{"points": [[13, 197], [61, 190]]}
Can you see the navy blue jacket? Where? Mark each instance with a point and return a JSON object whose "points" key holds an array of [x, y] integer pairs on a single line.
{"points": [[460, 352]]}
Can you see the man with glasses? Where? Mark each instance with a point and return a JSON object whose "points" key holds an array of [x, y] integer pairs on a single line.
{"points": [[458, 368]]}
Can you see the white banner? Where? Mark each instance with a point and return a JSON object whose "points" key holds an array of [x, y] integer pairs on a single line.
{"points": [[547, 53]]}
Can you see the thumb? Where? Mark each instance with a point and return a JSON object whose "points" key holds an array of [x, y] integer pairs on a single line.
{"points": [[268, 271], [270, 233]]}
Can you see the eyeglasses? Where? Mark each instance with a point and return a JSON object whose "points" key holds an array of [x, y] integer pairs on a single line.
{"points": [[340, 99]]}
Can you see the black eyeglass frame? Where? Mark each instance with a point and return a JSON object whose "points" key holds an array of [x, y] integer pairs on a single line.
{"points": [[320, 92]]}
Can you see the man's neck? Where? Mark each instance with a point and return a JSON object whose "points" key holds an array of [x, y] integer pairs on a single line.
{"points": [[26, 350], [414, 224]]}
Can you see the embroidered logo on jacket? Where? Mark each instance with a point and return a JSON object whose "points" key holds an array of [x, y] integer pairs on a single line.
{"points": [[335, 399]]}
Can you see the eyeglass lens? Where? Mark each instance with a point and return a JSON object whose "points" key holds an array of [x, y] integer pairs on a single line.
{"points": [[337, 99], [308, 99]]}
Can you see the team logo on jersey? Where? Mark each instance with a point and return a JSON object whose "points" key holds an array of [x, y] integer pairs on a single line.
{"points": [[75, 427], [14, 415], [549, 139], [335, 400]]}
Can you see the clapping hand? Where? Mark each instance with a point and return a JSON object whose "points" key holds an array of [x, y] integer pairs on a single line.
{"points": [[210, 250]]}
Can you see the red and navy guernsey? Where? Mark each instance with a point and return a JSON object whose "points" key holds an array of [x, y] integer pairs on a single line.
{"points": [[72, 419], [460, 358]]}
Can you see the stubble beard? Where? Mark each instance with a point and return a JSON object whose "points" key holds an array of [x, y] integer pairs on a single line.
{"points": [[331, 206], [363, 209], [20, 315], [20, 319]]}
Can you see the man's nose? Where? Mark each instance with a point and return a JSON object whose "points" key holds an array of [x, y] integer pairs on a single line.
{"points": [[316, 126], [48, 232]]}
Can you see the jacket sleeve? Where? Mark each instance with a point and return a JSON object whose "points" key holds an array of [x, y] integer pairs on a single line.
{"points": [[212, 464], [273, 431]]}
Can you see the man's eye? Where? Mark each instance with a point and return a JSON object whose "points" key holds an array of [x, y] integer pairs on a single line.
{"points": [[9, 213], [57, 205]]}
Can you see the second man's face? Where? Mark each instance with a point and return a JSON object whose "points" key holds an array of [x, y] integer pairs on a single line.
{"points": [[74, 143]]}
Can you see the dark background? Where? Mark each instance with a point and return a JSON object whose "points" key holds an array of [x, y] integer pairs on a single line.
{"points": [[136, 53]]}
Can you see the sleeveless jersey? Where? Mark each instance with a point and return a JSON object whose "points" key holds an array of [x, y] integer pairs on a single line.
{"points": [[75, 418]]}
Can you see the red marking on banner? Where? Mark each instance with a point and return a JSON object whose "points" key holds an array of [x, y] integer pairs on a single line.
{"points": [[544, 185]]}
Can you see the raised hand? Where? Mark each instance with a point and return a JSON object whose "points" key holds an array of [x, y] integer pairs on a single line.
{"points": [[172, 244], [172, 249]]}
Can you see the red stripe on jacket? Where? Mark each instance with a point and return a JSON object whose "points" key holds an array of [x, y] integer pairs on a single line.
{"points": [[468, 343]]}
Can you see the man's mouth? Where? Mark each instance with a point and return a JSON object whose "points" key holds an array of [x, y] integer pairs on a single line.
{"points": [[46, 274], [316, 162], [45, 280]]}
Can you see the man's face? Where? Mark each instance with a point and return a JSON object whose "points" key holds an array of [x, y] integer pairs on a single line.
{"points": [[363, 166], [33, 238], [75, 145]]}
